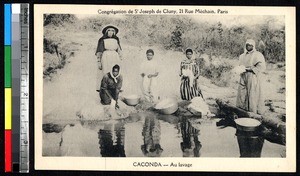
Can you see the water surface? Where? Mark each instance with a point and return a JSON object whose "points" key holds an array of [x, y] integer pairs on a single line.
{"points": [[151, 135]]}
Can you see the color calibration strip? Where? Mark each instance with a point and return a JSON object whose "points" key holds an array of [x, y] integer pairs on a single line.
{"points": [[8, 88], [16, 61]]}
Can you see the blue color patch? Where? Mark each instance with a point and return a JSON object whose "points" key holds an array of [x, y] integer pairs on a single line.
{"points": [[7, 24]]}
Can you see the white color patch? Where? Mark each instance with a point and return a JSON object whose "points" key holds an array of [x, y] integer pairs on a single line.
{"points": [[16, 8]]}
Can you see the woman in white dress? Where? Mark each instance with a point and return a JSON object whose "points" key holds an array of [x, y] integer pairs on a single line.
{"points": [[149, 73]]}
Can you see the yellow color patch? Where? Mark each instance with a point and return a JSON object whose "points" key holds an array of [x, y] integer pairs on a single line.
{"points": [[8, 108]]}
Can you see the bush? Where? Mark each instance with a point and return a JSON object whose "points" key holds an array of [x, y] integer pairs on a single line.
{"points": [[181, 32], [58, 19], [215, 70], [176, 40]]}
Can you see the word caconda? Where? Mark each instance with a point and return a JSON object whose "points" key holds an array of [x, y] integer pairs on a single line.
{"points": [[147, 164]]}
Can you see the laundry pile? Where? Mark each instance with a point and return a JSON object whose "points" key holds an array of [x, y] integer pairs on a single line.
{"points": [[199, 105]]}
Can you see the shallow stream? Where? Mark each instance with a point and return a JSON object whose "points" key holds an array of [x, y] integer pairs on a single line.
{"points": [[151, 135]]}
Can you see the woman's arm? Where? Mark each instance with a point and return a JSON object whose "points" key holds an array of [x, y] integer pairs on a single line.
{"points": [[99, 56], [180, 70], [99, 60], [197, 70], [107, 92], [119, 49], [99, 51], [100, 46], [104, 84], [259, 65], [119, 86]]}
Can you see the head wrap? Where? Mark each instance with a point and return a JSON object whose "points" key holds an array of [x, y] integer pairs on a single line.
{"points": [[188, 50], [251, 42], [112, 75], [150, 51]]}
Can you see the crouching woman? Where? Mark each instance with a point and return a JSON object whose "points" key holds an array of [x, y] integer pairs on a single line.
{"points": [[111, 85]]}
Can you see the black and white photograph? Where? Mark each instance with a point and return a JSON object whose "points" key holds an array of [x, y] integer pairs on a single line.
{"points": [[147, 83]]}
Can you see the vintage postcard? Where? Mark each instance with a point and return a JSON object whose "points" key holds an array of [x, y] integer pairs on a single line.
{"points": [[165, 88]]}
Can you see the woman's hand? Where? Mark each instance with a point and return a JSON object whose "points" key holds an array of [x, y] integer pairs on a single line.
{"points": [[100, 65], [117, 105], [113, 103], [121, 56], [248, 69], [143, 74], [153, 75]]}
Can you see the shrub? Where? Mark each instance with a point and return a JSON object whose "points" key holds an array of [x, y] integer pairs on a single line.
{"points": [[58, 19]]}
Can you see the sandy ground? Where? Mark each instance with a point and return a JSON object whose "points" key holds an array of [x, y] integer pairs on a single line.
{"points": [[73, 88]]}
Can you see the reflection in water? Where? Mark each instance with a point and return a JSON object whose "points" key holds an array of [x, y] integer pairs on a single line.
{"points": [[151, 135], [250, 144], [191, 145], [176, 135], [111, 140]]}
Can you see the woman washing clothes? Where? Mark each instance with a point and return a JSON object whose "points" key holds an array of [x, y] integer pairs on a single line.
{"points": [[109, 52], [111, 85], [189, 73], [149, 73]]}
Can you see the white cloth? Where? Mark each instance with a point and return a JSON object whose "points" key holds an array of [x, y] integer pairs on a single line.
{"points": [[199, 105], [187, 70], [149, 85], [149, 67], [239, 69], [110, 56], [114, 77]]}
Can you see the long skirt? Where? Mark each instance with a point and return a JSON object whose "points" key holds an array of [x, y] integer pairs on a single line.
{"points": [[109, 59], [250, 96], [189, 92], [150, 89]]}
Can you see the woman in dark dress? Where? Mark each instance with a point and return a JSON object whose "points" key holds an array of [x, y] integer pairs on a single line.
{"points": [[109, 52]]}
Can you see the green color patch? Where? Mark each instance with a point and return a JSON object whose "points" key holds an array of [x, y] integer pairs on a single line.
{"points": [[7, 66]]}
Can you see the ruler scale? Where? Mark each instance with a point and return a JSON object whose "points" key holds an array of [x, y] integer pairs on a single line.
{"points": [[24, 90], [16, 55]]}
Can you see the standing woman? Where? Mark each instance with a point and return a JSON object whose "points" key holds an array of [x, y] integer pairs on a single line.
{"points": [[189, 73], [109, 49], [250, 91], [149, 73]]}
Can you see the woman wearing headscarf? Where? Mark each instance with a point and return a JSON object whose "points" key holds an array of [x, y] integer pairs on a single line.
{"points": [[189, 73], [249, 95], [109, 50]]}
